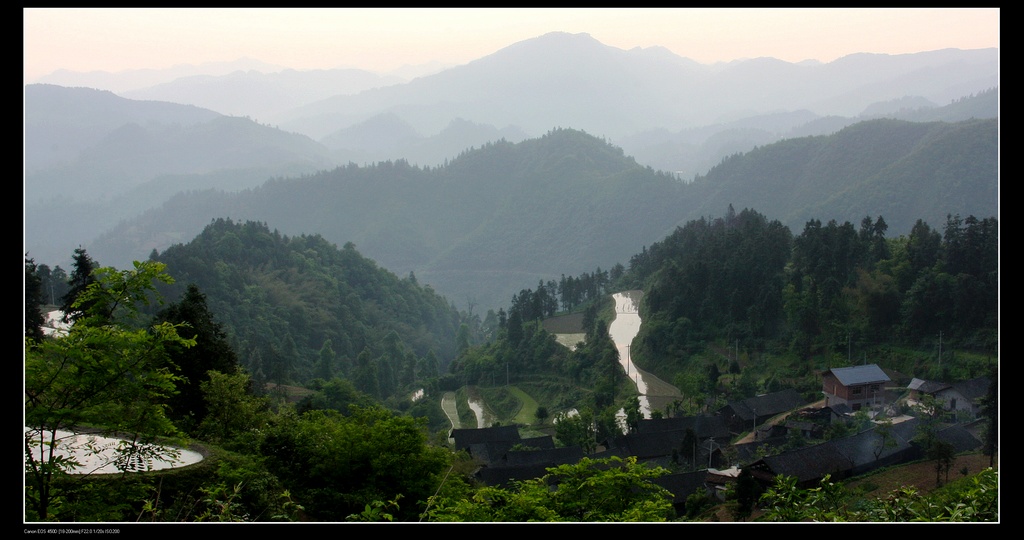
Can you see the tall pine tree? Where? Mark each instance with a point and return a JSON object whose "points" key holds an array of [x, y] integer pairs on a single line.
{"points": [[34, 318], [81, 278], [212, 352]]}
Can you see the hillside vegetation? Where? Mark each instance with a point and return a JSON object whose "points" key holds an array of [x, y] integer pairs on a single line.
{"points": [[300, 308], [296, 359], [303, 312], [503, 216]]}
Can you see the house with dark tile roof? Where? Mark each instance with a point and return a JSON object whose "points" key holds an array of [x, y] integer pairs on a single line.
{"points": [[529, 464], [839, 411], [665, 448], [718, 481], [959, 397], [682, 485], [543, 442], [745, 415], [960, 437], [747, 453], [490, 452], [921, 387], [808, 465], [495, 453], [806, 429], [503, 476], [549, 458], [842, 458], [466, 437], [704, 426], [647, 445], [500, 462]]}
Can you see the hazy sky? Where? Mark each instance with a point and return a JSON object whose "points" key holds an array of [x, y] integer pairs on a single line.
{"points": [[383, 39]]}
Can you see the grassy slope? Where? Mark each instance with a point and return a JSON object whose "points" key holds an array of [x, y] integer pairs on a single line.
{"points": [[920, 474], [528, 410]]}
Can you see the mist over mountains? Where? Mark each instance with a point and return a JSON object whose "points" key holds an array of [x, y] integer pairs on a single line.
{"points": [[572, 80], [124, 167]]}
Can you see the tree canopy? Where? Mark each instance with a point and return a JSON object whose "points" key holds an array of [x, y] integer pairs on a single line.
{"points": [[108, 372]]}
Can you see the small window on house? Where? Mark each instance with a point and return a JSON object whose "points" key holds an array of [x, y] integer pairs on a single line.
{"points": [[857, 390]]}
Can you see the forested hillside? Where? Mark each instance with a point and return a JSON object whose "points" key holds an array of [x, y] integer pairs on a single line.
{"points": [[737, 306], [781, 307], [89, 145], [476, 229], [98, 159], [902, 170], [638, 273], [298, 308], [495, 219], [732, 307]]}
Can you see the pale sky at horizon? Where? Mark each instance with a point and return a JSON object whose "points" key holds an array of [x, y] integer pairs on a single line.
{"points": [[384, 39]]}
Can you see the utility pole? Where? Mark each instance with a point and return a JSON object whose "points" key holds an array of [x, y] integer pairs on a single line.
{"points": [[711, 450]]}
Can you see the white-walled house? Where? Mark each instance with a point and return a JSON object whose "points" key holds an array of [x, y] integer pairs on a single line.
{"points": [[962, 397]]}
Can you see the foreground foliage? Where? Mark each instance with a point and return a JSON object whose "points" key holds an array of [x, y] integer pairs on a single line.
{"points": [[336, 464], [108, 372], [971, 499], [593, 490]]}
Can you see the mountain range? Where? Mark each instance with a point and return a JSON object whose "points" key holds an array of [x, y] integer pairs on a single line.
{"points": [[506, 216], [115, 165]]}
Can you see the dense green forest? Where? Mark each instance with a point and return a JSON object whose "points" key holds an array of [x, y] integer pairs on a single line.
{"points": [[831, 296], [905, 171], [504, 215], [732, 306], [738, 305], [300, 308]]}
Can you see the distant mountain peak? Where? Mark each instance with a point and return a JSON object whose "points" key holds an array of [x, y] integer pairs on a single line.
{"points": [[558, 41]]}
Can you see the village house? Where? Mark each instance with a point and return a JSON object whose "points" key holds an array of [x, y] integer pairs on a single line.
{"points": [[718, 481], [682, 485], [856, 387], [503, 456], [841, 458], [702, 442], [661, 441], [961, 398], [748, 414]]}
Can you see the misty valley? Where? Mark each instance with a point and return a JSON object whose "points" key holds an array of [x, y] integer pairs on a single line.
{"points": [[632, 291]]}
